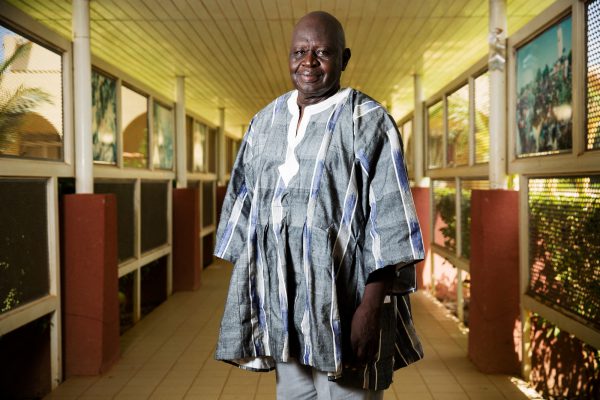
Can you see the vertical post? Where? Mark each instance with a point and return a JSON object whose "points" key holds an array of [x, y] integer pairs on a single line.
{"points": [[497, 70], [418, 133], [460, 302], [180, 130], [221, 148], [82, 94], [524, 276]]}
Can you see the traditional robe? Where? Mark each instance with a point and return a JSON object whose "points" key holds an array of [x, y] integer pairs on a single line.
{"points": [[312, 209]]}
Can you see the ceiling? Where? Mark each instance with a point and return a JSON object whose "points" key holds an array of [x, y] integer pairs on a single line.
{"points": [[233, 53]]}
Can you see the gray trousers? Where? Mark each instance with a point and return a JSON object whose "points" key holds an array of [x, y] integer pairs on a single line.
{"points": [[299, 382]]}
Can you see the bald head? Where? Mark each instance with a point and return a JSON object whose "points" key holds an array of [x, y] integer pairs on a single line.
{"points": [[323, 21], [318, 55]]}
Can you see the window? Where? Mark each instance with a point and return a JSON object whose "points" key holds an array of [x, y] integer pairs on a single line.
{"points": [[134, 121], [435, 135], [458, 127], [162, 137], [24, 275], [593, 74], [104, 118], [482, 118], [31, 117], [564, 244], [407, 140]]}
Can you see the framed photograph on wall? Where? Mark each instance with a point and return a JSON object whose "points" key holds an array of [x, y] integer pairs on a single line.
{"points": [[544, 87], [104, 118]]}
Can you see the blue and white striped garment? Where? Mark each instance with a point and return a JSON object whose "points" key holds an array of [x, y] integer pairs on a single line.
{"points": [[311, 210]]}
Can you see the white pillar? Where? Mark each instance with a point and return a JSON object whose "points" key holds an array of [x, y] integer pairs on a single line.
{"points": [[221, 148], [82, 97], [418, 134], [181, 143], [497, 71]]}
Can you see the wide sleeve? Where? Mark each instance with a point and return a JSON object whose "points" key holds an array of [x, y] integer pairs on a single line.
{"points": [[235, 211], [392, 232]]}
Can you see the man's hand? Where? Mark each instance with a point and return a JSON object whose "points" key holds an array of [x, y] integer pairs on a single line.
{"points": [[366, 322]]}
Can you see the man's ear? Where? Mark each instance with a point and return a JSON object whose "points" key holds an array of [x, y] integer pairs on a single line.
{"points": [[345, 58]]}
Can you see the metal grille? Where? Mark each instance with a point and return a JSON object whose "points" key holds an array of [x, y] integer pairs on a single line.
{"points": [[458, 127], [23, 243], [593, 74], [435, 135], [124, 193], [153, 214], [482, 118], [564, 244]]}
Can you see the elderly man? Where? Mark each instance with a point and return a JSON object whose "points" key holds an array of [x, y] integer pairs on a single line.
{"points": [[320, 224]]}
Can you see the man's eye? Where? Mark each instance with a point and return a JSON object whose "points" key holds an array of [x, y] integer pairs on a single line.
{"points": [[323, 53], [299, 53]]}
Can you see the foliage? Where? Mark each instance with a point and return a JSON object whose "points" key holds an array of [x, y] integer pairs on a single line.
{"points": [[445, 206], [565, 246], [14, 106], [104, 109]]}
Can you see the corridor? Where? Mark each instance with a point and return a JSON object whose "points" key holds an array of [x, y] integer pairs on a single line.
{"points": [[169, 355]]}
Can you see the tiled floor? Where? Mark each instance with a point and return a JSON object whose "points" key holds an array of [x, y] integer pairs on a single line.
{"points": [[168, 355]]}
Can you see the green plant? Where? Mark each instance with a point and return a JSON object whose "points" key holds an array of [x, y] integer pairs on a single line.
{"points": [[564, 220], [445, 206], [14, 105]]}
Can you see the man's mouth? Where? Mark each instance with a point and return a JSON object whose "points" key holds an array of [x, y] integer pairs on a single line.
{"points": [[309, 78]]}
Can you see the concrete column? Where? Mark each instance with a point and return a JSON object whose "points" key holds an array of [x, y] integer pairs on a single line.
{"points": [[91, 284], [180, 130], [497, 70], [419, 134], [82, 97], [221, 148], [494, 309]]}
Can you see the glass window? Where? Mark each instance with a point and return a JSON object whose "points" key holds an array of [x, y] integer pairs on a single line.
{"points": [[544, 92], [593, 74], [199, 149], [229, 157], [24, 245], [564, 244], [31, 118], [444, 197], [153, 214], [208, 203], [406, 132], [162, 137], [482, 118], [458, 127], [124, 193], [189, 142], [435, 135], [134, 120], [212, 150], [104, 118], [467, 186]]}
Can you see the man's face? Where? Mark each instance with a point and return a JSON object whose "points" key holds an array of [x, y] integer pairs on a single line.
{"points": [[316, 60]]}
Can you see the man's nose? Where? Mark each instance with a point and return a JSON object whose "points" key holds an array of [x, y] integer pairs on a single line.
{"points": [[310, 59]]}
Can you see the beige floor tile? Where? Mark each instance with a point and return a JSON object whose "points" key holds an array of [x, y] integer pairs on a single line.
{"points": [[169, 355]]}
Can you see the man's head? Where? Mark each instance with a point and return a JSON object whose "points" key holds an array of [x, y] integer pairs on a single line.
{"points": [[318, 55]]}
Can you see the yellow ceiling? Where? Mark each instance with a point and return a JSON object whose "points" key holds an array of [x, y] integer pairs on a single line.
{"points": [[234, 52]]}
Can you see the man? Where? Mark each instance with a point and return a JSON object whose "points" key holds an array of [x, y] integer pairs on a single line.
{"points": [[320, 224]]}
